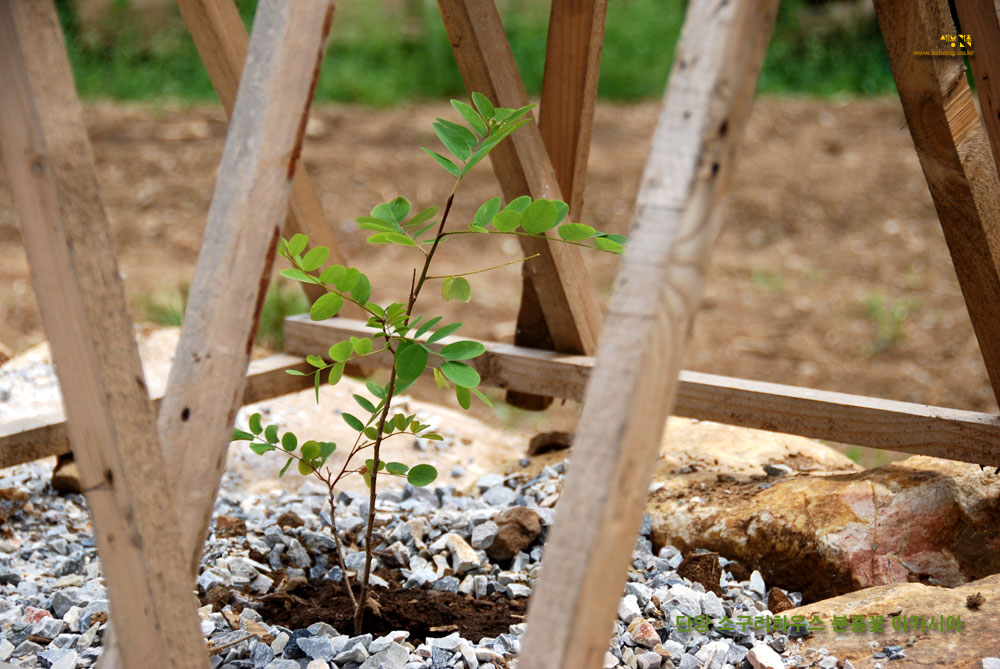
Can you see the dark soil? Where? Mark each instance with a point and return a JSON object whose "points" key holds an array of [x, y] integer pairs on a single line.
{"points": [[702, 568], [423, 613]]}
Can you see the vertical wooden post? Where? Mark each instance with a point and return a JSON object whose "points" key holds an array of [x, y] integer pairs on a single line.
{"points": [[565, 121], [954, 154], [50, 171], [222, 42], [523, 168], [249, 204], [657, 292], [980, 19]]}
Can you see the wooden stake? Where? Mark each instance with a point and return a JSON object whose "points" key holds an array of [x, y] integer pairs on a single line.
{"points": [[955, 156], [250, 201], [222, 41], [980, 22], [50, 171], [523, 168], [656, 296], [566, 118]]}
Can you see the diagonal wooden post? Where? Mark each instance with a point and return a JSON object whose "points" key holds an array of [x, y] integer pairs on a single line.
{"points": [[222, 42], [659, 286], [51, 174], [241, 236], [565, 121], [954, 154], [523, 168]]}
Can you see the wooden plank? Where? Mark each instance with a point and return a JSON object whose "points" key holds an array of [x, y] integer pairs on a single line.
{"points": [[565, 121], [28, 439], [853, 419], [979, 19], [656, 295], [222, 42], [251, 197], [51, 175], [523, 168], [955, 156]]}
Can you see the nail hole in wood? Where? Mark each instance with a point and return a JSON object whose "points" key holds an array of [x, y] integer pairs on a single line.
{"points": [[185, 414]]}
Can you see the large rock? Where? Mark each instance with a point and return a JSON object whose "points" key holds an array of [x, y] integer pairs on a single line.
{"points": [[920, 519], [923, 648]]}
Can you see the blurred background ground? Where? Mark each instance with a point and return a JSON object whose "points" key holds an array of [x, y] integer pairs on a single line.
{"points": [[831, 270]]}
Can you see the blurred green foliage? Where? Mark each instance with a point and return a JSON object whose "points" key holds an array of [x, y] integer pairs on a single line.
{"points": [[818, 49]]}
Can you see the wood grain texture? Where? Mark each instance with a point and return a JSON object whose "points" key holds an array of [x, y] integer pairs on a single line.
{"points": [[852, 419], [522, 167], [565, 121], [206, 381], [955, 156], [657, 292], [50, 171], [40, 436], [979, 18], [222, 42]]}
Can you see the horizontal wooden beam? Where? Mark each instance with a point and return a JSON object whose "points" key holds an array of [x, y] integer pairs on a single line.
{"points": [[854, 419], [37, 437]]}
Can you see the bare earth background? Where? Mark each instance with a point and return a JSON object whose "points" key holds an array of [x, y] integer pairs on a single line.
{"points": [[831, 270]]}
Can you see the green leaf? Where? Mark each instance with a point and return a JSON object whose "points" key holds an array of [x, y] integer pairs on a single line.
{"points": [[326, 449], [315, 258], [271, 434], [486, 212], [441, 333], [341, 351], [333, 274], [370, 464], [539, 216], [427, 326], [349, 280], [421, 475], [362, 290], [605, 244], [377, 224], [310, 450], [433, 436], [285, 468], [439, 379], [507, 221], [316, 361], [486, 400], [471, 117], [460, 374], [400, 421], [326, 306], [562, 208], [297, 275], [305, 468], [336, 373], [394, 211], [466, 136], [421, 217], [518, 204], [397, 238], [411, 361], [416, 233], [294, 372], [456, 288], [621, 239], [397, 468], [573, 232], [453, 140], [353, 422], [364, 403], [376, 390], [240, 435], [361, 346], [371, 433], [261, 449], [255, 425], [316, 386], [297, 244], [443, 162], [289, 442], [463, 397], [484, 105], [462, 350]]}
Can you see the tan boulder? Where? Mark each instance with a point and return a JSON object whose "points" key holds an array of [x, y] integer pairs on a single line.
{"points": [[919, 519], [912, 606]]}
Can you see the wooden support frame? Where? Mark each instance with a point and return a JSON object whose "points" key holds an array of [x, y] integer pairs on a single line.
{"points": [[50, 169]]}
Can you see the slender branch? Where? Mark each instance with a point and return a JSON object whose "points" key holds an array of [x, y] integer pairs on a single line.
{"points": [[486, 269], [340, 548], [522, 234]]}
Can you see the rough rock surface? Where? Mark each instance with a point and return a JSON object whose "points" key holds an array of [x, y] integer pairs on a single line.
{"points": [[919, 519], [517, 528], [922, 647]]}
